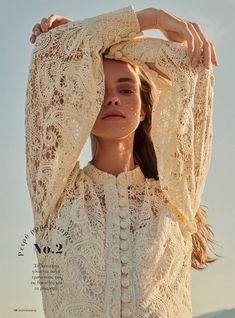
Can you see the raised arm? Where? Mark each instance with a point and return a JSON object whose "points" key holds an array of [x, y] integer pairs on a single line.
{"points": [[64, 95], [66, 89], [173, 27], [181, 121]]}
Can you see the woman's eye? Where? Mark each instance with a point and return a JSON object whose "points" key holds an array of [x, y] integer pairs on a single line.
{"points": [[126, 91]]}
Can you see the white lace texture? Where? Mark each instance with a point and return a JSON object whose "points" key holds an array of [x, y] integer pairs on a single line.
{"points": [[130, 254]]}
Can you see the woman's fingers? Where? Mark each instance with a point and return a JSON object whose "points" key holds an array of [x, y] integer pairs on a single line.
{"points": [[209, 54], [44, 25], [35, 32], [194, 42], [184, 29], [213, 55], [179, 30], [206, 46], [37, 29], [55, 20], [197, 47], [47, 24], [198, 44], [32, 38], [171, 23]]}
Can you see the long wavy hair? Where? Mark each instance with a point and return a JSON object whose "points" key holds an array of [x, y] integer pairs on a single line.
{"points": [[145, 157]]}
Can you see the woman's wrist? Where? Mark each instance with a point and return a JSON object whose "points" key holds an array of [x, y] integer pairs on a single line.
{"points": [[147, 18]]}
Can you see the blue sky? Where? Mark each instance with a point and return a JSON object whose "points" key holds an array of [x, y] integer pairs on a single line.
{"points": [[213, 288]]}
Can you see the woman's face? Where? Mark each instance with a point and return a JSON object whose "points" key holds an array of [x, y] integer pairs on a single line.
{"points": [[122, 93]]}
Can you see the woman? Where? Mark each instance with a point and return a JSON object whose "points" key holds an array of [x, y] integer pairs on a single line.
{"points": [[129, 224]]}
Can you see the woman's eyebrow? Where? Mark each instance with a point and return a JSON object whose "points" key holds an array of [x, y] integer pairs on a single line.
{"points": [[125, 79]]}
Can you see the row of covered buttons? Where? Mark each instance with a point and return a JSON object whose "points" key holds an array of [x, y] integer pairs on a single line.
{"points": [[124, 246]]}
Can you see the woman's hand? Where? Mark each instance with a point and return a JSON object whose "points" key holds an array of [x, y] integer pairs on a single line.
{"points": [[174, 28], [47, 24], [179, 30]]}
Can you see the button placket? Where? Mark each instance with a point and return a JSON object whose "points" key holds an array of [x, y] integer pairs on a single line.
{"points": [[126, 298], [124, 247], [123, 234], [123, 201], [123, 224], [125, 282], [124, 258], [125, 269], [121, 191], [123, 213]]}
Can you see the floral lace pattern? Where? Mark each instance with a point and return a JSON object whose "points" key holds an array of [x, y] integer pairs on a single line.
{"points": [[128, 257], [127, 248]]}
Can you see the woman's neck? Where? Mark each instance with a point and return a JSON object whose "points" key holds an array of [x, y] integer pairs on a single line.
{"points": [[114, 156]]}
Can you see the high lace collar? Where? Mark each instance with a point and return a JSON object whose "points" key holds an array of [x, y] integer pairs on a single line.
{"points": [[130, 177]]}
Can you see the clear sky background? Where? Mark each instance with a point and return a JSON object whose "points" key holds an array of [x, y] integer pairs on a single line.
{"points": [[213, 288]]}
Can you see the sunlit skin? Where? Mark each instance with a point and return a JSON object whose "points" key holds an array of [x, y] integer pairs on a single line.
{"points": [[114, 153]]}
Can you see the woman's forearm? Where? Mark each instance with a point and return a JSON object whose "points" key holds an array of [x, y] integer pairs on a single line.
{"points": [[147, 18], [174, 28]]}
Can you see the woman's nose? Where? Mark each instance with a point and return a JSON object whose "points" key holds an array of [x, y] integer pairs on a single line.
{"points": [[111, 99]]}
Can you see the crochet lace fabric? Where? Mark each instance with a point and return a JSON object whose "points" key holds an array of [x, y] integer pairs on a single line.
{"points": [[127, 252]]}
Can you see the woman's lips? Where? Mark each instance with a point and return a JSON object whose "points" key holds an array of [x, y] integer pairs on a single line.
{"points": [[113, 117]]}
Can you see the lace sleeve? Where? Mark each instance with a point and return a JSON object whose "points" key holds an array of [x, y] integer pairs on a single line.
{"points": [[64, 94], [181, 121]]}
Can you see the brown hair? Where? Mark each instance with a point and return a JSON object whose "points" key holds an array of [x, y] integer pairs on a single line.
{"points": [[144, 154]]}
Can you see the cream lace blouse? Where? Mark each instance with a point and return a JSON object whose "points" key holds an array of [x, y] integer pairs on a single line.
{"points": [[125, 241]]}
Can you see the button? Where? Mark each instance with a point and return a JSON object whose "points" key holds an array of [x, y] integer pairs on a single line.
{"points": [[124, 245], [125, 282], [124, 269], [123, 235], [123, 213], [131, 34], [126, 312], [123, 202], [118, 54], [124, 258], [121, 191], [126, 298], [123, 224]]}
